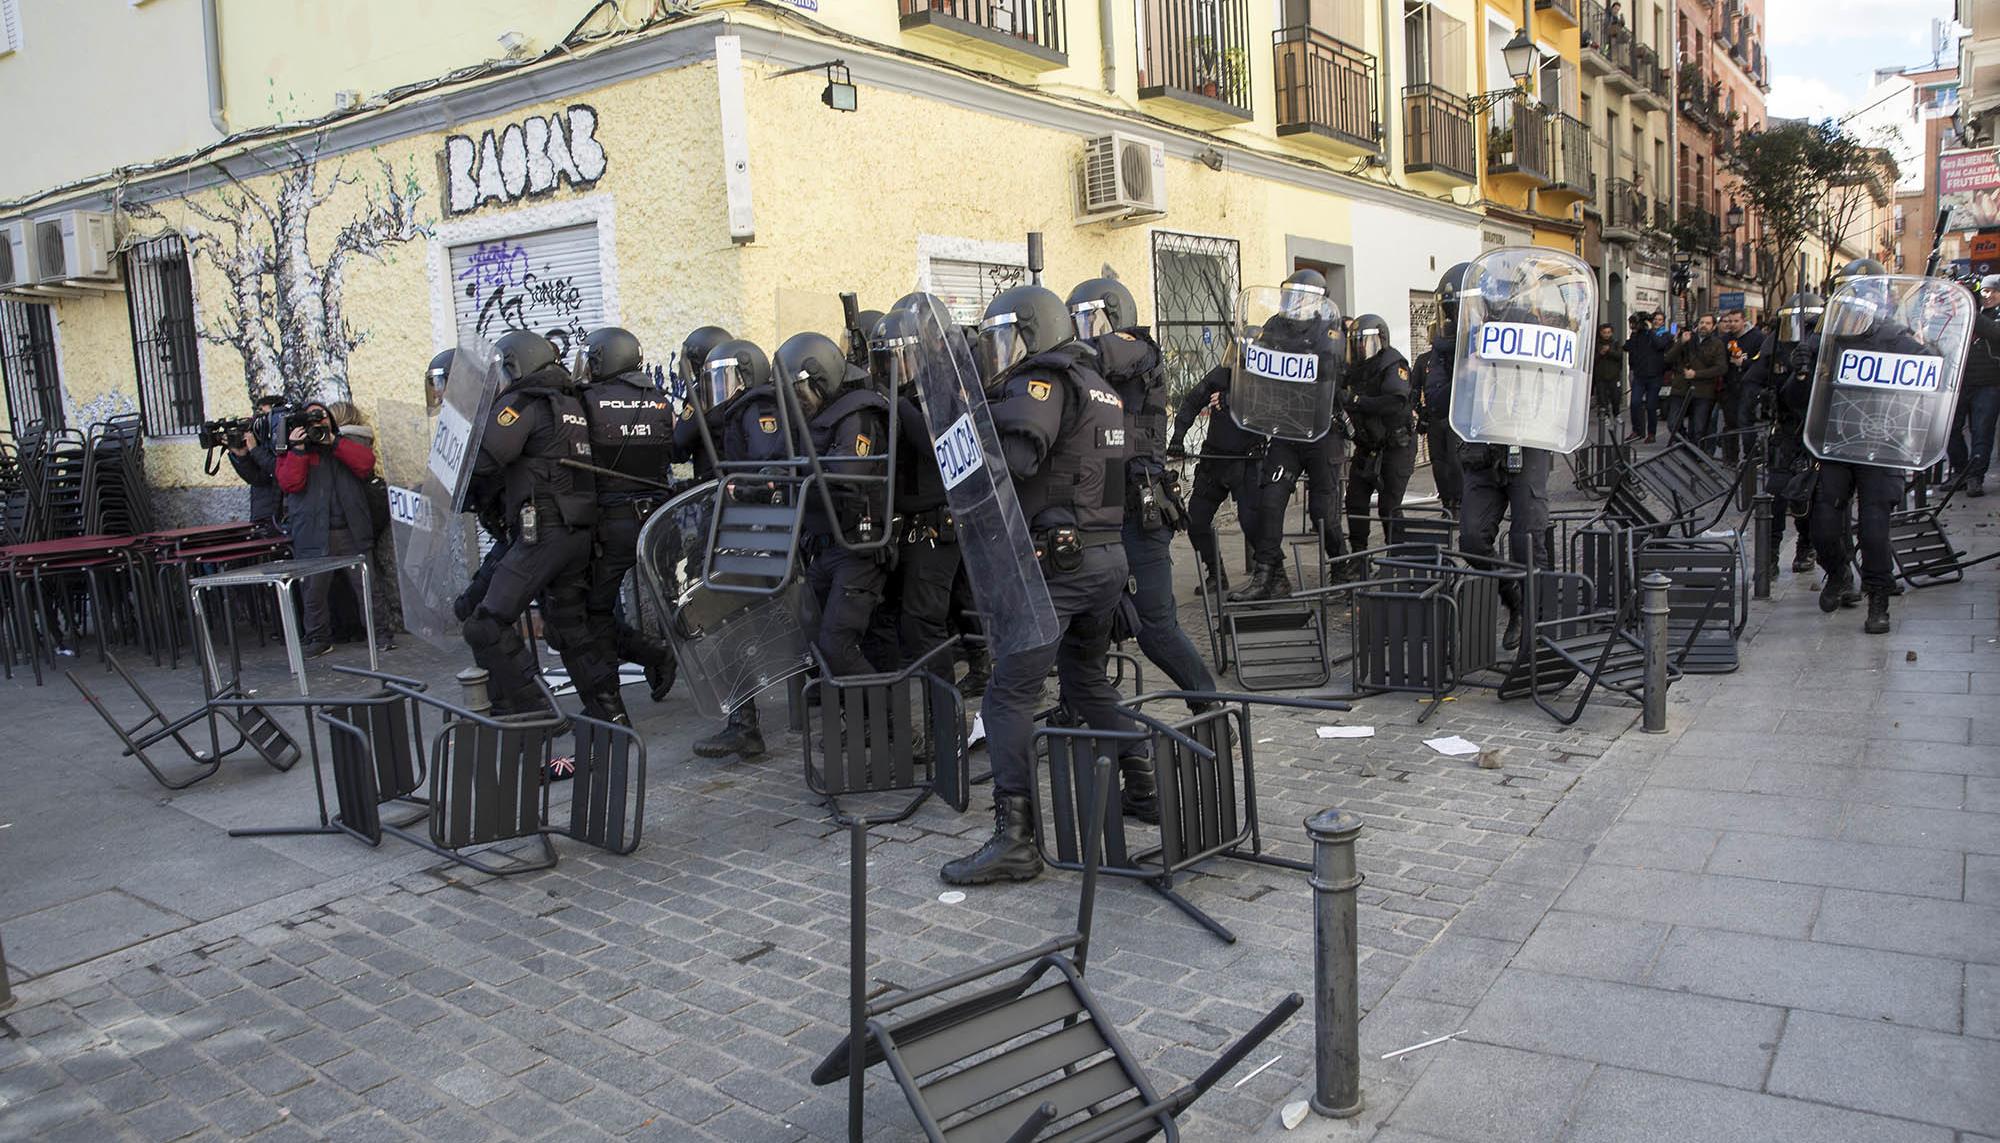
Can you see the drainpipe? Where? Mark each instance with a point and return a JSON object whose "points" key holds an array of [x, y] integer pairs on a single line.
{"points": [[1393, 33], [1107, 48], [211, 43]]}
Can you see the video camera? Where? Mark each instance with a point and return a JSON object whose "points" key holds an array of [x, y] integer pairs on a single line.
{"points": [[227, 432]]}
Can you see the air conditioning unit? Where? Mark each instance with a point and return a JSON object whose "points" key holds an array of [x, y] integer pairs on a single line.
{"points": [[14, 265], [1124, 175], [76, 245]]}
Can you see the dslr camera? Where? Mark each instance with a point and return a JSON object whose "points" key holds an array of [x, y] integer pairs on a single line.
{"points": [[313, 419]]}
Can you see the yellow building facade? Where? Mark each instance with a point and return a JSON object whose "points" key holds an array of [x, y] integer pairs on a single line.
{"points": [[412, 174], [1537, 146]]}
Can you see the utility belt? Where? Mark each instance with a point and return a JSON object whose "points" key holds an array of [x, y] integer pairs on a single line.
{"points": [[1062, 548], [1504, 460], [933, 526], [641, 508]]}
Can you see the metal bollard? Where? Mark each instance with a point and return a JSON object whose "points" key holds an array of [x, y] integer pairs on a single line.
{"points": [[1336, 980], [1760, 546], [6, 990], [472, 690], [1654, 608], [1752, 479]]}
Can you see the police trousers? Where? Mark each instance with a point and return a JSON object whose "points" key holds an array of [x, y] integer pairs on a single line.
{"points": [[557, 569], [1445, 470], [848, 586], [1083, 600], [1879, 491], [1150, 560], [1214, 482], [925, 573], [617, 551], [1284, 462], [1383, 476], [1522, 498]]}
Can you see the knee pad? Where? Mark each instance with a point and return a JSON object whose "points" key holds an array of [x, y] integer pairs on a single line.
{"points": [[484, 631]]}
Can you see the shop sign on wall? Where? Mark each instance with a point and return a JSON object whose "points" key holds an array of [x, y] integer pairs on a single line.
{"points": [[523, 160]]}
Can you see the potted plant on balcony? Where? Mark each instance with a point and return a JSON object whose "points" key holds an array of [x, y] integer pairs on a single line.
{"points": [[1208, 61], [1500, 146]]}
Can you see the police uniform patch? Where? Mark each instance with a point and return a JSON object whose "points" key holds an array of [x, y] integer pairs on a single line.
{"points": [[1403, 372], [1039, 390], [507, 417], [768, 424], [862, 444], [1126, 336]]}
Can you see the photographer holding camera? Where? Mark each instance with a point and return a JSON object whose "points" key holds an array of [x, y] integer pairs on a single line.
{"points": [[325, 479], [257, 465]]}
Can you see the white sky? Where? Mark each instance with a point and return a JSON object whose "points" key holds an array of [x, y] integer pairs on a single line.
{"points": [[1823, 53]]}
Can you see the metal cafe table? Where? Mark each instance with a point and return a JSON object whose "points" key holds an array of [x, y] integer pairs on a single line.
{"points": [[282, 576]]}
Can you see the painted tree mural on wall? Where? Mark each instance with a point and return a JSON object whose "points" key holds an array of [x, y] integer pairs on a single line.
{"points": [[284, 312]]}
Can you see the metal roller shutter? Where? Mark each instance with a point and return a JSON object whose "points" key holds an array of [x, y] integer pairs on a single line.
{"points": [[551, 283], [966, 287]]}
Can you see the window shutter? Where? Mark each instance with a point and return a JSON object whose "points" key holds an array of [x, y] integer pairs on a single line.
{"points": [[1449, 52], [965, 287], [550, 282]]}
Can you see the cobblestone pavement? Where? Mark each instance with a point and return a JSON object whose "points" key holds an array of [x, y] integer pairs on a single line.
{"points": [[685, 992]]}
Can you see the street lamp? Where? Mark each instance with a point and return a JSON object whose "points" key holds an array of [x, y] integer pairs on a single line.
{"points": [[1519, 54], [1734, 216]]}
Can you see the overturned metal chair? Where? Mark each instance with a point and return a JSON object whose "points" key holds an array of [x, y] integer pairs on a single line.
{"points": [[1028, 1053], [899, 732], [1925, 556], [251, 721], [1207, 783]]}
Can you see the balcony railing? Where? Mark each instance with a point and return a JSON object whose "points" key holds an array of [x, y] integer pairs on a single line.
{"points": [[1031, 27], [1563, 8], [1196, 51], [1625, 207], [1517, 138], [1663, 214], [1647, 70], [1569, 139], [1324, 87], [1438, 133], [1610, 39]]}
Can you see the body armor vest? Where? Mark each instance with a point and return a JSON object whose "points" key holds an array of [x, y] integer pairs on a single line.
{"points": [[1082, 480], [1374, 431], [631, 431], [560, 493], [1130, 361]]}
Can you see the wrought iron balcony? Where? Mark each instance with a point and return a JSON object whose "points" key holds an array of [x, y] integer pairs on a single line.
{"points": [[1625, 211], [1607, 47], [1517, 138], [1031, 29], [1569, 148], [1563, 9], [1653, 89], [1196, 53], [1325, 87], [1438, 133]]}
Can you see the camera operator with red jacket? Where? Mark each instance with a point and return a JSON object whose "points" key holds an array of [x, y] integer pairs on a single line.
{"points": [[324, 475]]}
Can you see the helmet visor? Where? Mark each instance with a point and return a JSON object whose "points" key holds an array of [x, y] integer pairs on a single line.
{"points": [[1303, 301], [892, 361], [722, 378], [1858, 309], [1000, 346], [810, 393], [1092, 319], [1794, 322], [1368, 343]]}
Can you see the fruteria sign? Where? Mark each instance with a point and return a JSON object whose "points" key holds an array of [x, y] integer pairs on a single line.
{"points": [[1969, 187]]}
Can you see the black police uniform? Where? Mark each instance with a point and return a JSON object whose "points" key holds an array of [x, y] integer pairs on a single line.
{"points": [[537, 423], [1878, 490], [1129, 360], [1500, 481], [1285, 461], [1062, 428], [927, 562], [631, 428], [751, 432], [847, 584], [1231, 457], [1385, 448], [1433, 372], [1789, 469]]}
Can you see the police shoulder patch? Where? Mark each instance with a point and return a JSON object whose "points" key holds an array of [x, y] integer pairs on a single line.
{"points": [[1039, 390], [1126, 336], [507, 416], [768, 424], [1403, 371], [862, 444]]}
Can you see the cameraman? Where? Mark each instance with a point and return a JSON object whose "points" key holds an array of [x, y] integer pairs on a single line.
{"points": [[257, 465], [325, 479]]}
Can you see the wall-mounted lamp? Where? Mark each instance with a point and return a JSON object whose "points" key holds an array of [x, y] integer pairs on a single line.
{"points": [[1520, 55], [1210, 158], [840, 93], [1734, 215]]}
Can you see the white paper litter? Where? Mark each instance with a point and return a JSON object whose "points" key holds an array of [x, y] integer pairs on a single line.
{"points": [[1294, 1114], [1453, 746], [1347, 732], [1255, 1074], [978, 734], [951, 897], [1433, 1041]]}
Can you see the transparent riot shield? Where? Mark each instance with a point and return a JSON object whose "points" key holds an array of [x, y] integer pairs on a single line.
{"points": [[1884, 386], [999, 554], [730, 645], [428, 456], [1285, 378], [1527, 321]]}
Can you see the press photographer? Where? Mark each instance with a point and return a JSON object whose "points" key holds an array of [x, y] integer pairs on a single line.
{"points": [[324, 475], [246, 439]]}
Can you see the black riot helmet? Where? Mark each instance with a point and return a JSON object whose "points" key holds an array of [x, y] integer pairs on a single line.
{"points": [[1799, 316], [436, 375], [731, 368], [1859, 268], [1369, 337], [1303, 298], [611, 351], [1019, 323], [1101, 306], [894, 356], [1448, 289], [695, 348], [813, 365], [524, 354]]}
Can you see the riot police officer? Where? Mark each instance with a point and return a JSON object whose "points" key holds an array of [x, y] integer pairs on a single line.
{"points": [[1377, 401], [1106, 319], [1867, 324], [550, 509], [631, 433], [1790, 468], [1285, 461], [1062, 429], [843, 419], [741, 411], [928, 559], [1230, 459], [1434, 392], [689, 362]]}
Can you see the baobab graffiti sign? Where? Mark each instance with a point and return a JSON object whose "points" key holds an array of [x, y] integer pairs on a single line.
{"points": [[523, 160]]}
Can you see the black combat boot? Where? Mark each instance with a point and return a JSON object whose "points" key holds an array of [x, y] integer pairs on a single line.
{"points": [[660, 675], [1839, 591], [1138, 796], [1009, 855], [1511, 637], [978, 672], [1260, 574], [1277, 583], [741, 736], [1877, 622], [1215, 582], [1802, 556], [607, 706]]}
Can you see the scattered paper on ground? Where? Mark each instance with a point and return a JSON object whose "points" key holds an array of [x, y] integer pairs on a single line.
{"points": [[950, 897], [1454, 746], [1294, 1113], [1427, 1043], [1347, 732]]}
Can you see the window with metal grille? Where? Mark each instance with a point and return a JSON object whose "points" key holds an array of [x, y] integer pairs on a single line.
{"points": [[28, 359], [1194, 307], [165, 344]]}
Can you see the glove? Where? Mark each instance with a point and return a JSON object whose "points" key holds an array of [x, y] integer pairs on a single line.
{"points": [[1177, 449], [1347, 399]]}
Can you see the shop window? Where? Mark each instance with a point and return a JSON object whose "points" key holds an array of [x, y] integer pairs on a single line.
{"points": [[28, 359], [166, 345], [550, 282]]}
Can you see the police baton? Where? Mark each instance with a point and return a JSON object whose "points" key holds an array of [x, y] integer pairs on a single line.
{"points": [[580, 466]]}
